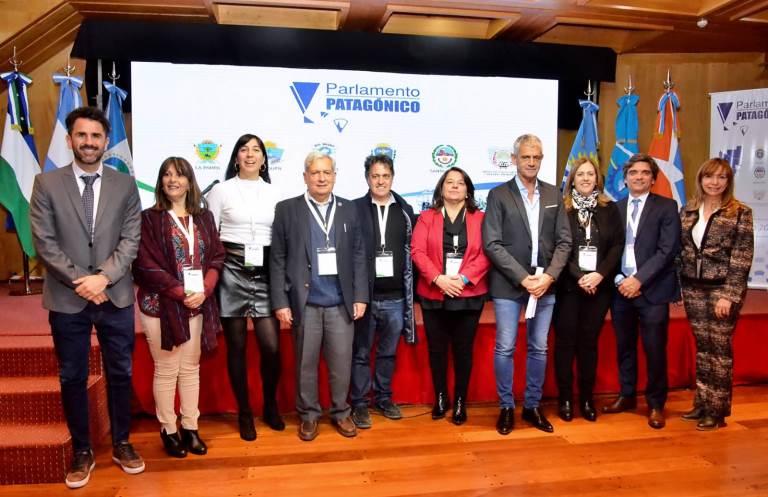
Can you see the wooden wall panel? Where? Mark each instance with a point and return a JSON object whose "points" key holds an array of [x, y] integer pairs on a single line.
{"points": [[695, 77], [43, 100], [17, 15]]}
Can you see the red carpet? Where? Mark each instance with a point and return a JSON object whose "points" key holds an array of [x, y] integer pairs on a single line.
{"points": [[23, 316]]}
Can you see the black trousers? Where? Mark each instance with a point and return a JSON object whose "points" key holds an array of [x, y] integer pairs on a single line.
{"points": [[633, 318], [578, 319], [457, 329]]}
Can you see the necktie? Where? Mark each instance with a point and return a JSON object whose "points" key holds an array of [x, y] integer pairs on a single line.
{"points": [[630, 242], [87, 199]]}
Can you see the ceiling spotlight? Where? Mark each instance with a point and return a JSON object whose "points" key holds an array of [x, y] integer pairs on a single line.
{"points": [[702, 23]]}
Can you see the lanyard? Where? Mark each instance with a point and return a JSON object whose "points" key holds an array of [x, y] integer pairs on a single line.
{"points": [[326, 224], [382, 222], [245, 202], [588, 230], [455, 237], [189, 235]]}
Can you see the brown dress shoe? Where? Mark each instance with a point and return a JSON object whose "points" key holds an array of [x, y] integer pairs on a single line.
{"points": [[621, 404], [345, 427], [656, 419], [308, 430]]}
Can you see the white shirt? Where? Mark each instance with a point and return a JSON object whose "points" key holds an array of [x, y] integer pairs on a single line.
{"points": [[640, 206], [532, 211], [631, 246], [96, 185], [244, 210], [698, 229]]}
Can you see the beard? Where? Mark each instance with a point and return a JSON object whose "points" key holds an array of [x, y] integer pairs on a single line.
{"points": [[83, 160]]}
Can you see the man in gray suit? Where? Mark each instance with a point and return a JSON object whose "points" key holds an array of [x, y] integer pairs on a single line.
{"points": [[86, 226], [528, 239], [319, 286]]}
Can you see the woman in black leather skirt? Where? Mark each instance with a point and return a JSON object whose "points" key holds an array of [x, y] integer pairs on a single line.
{"points": [[244, 208]]}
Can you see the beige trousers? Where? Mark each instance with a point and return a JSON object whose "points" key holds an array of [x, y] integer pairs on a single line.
{"points": [[178, 366]]}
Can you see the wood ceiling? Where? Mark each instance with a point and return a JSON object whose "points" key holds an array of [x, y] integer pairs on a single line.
{"points": [[39, 28]]}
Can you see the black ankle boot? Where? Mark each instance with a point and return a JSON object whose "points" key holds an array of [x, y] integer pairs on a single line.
{"points": [[459, 411], [247, 428], [173, 445], [441, 406], [192, 441], [694, 414], [565, 410], [272, 417]]}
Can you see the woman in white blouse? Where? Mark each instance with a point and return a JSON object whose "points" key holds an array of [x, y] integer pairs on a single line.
{"points": [[244, 209]]}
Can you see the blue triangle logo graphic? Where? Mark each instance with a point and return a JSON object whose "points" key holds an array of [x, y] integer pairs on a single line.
{"points": [[340, 124], [304, 93], [724, 109]]}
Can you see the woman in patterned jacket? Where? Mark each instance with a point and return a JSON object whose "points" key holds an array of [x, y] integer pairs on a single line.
{"points": [[717, 247]]}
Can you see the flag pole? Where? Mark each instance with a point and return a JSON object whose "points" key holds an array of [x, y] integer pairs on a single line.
{"points": [[16, 63], [668, 83], [99, 80], [113, 75], [590, 93], [629, 89]]}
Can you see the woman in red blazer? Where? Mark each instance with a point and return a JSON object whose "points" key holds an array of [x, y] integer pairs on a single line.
{"points": [[447, 249]]}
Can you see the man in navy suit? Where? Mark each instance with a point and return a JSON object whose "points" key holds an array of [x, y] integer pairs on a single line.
{"points": [[319, 286], [645, 287]]}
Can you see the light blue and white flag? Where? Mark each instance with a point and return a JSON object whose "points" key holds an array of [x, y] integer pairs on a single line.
{"points": [[118, 155], [625, 147], [59, 154], [585, 144], [18, 158]]}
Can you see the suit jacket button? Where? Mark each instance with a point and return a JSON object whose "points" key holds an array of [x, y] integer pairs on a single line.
{"points": [[90, 244], [90, 268], [306, 285]]}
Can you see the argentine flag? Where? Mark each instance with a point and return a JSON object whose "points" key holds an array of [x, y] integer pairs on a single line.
{"points": [[585, 144], [18, 159], [625, 147], [59, 154], [118, 155]]}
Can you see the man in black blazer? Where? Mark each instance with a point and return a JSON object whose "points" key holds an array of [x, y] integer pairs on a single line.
{"points": [[319, 286], [528, 239], [645, 287]]}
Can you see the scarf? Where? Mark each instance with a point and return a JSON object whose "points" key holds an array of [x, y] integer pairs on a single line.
{"points": [[586, 205]]}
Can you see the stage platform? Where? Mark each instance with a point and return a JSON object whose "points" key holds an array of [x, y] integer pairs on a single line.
{"points": [[24, 319]]}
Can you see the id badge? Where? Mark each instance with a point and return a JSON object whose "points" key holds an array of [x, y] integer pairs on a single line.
{"points": [[193, 281], [385, 264], [254, 255], [326, 262], [629, 257], [453, 264], [587, 258]]}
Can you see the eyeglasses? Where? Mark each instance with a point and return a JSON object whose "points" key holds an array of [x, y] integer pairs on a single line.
{"points": [[529, 158]]}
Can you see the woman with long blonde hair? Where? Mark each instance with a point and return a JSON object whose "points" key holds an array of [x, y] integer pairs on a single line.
{"points": [[717, 249]]}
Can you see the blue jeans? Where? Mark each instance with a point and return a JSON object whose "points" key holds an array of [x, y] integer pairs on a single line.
{"points": [[507, 316], [386, 318], [72, 341]]}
